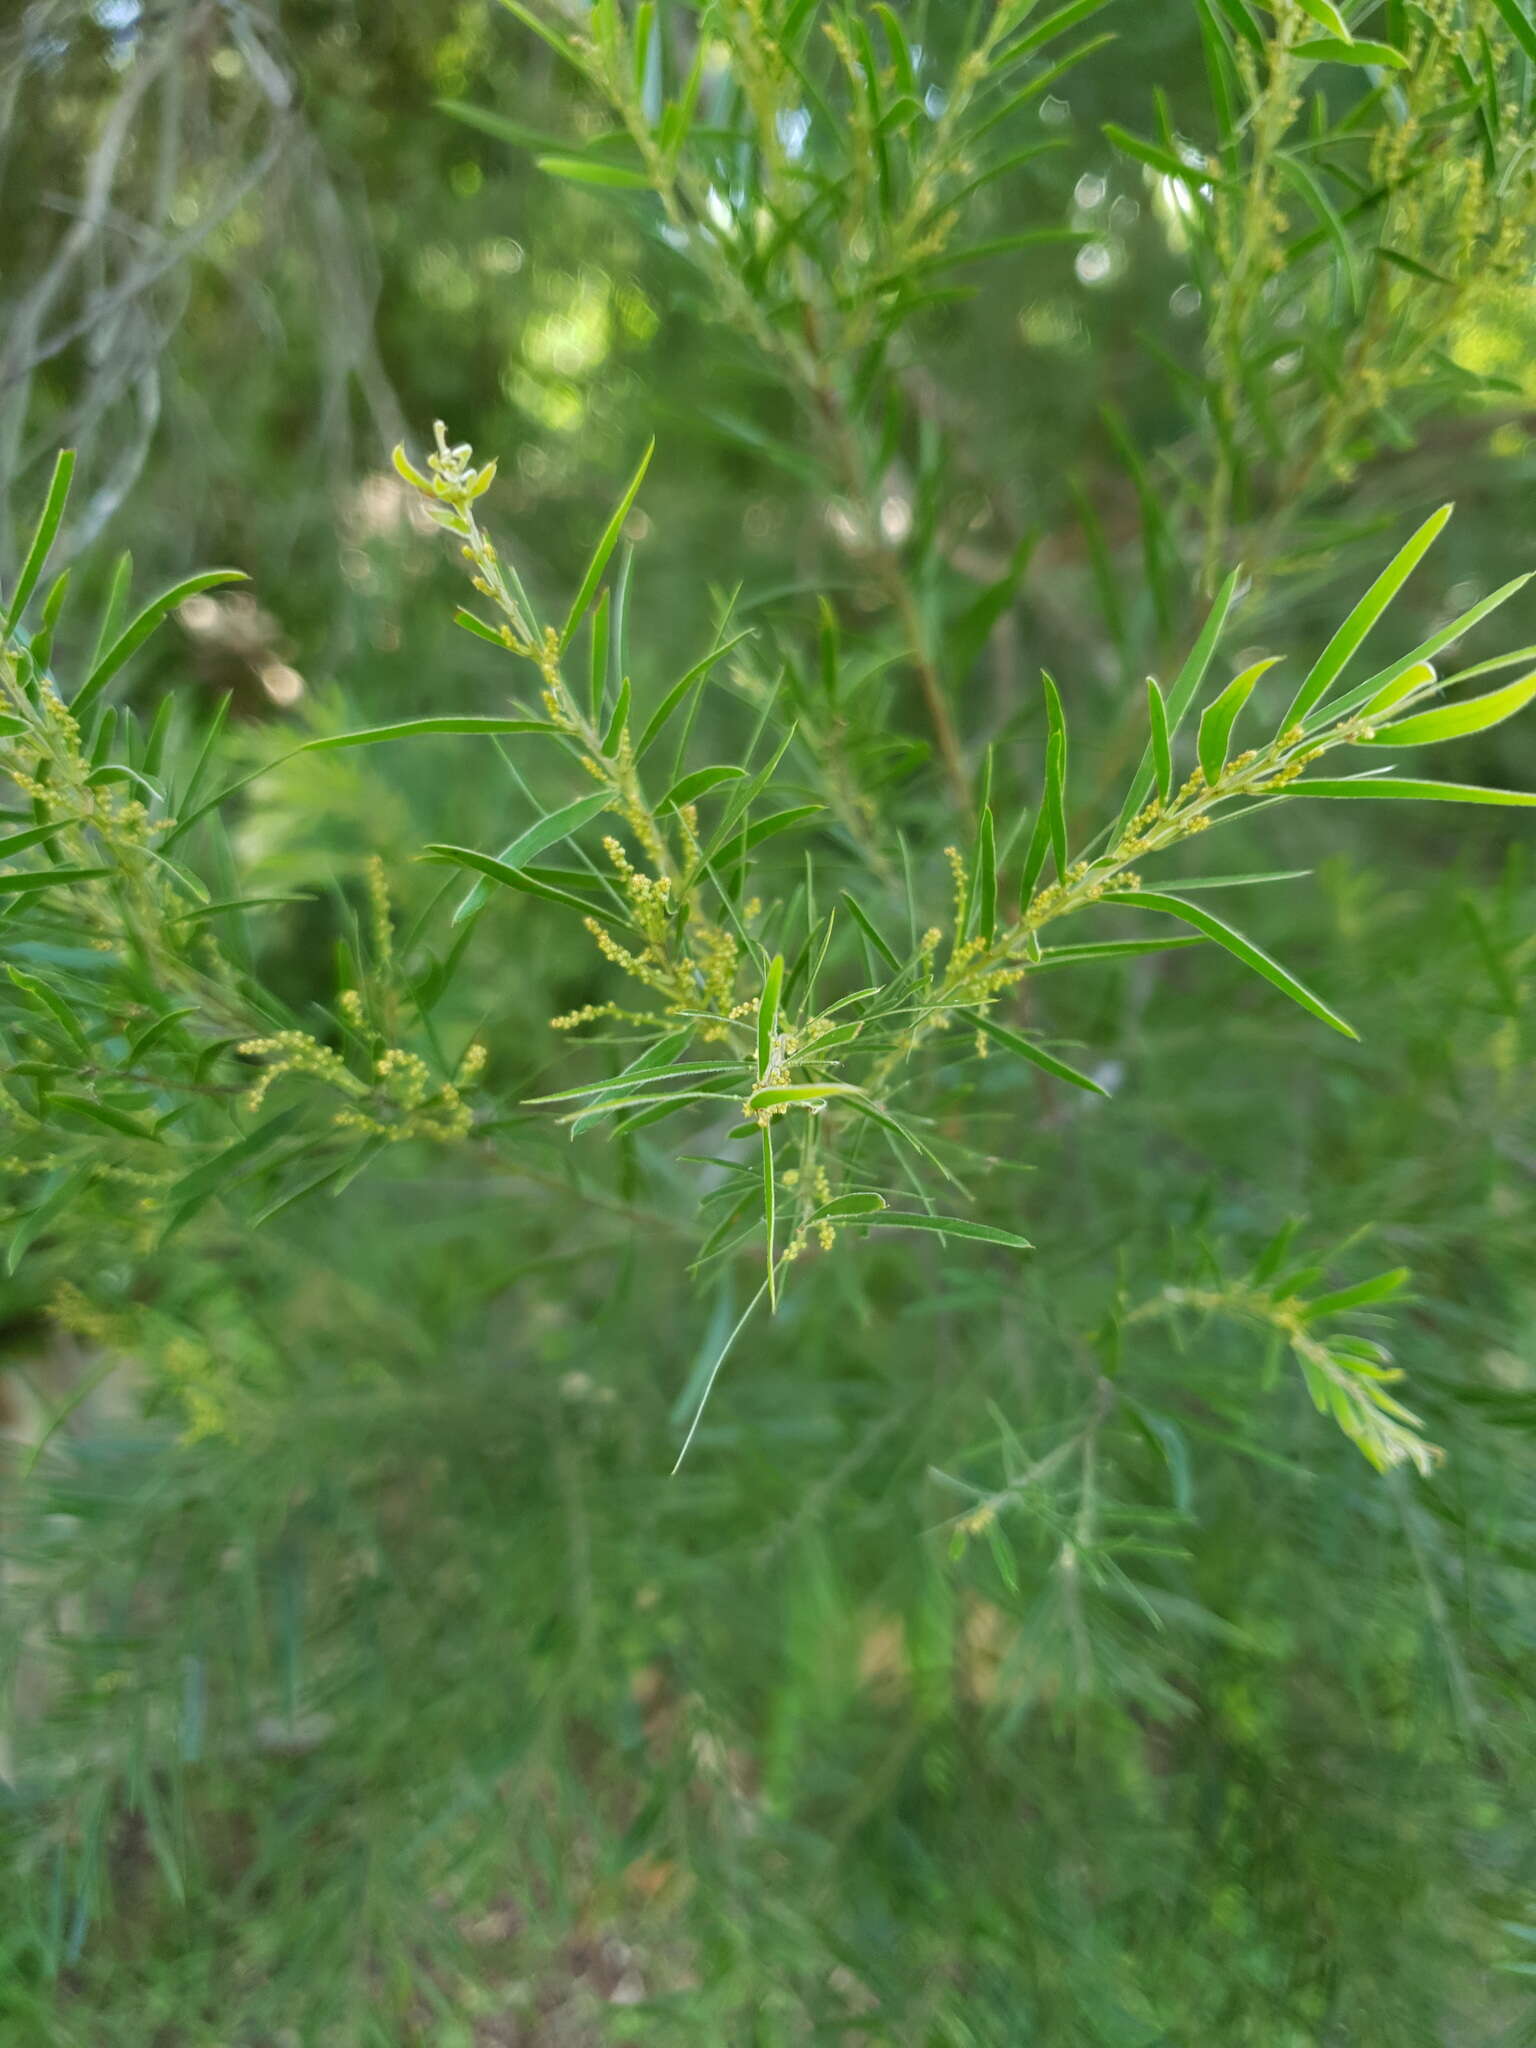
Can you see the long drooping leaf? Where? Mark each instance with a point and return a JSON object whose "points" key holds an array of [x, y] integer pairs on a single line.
{"points": [[1024, 1049], [1243, 949], [953, 1226]]}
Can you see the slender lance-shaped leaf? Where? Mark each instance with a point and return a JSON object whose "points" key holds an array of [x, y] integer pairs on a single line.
{"points": [[615, 526], [1519, 24], [698, 784], [984, 881], [514, 878], [1108, 949], [48, 878], [770, 1198], [134, 635], [544, 832], [1419, 677], [861, 1202], [599, 661], [1162, 750], [1416, 792], [953, 1226], [1329, 50], [591, 170], [1251, 955], [768, 1013], [410, 728], [1361, 1295], [1328, 17], [1425, 651], [867, 926], [791, 1093], [1186, 685], [45, 536], [1455, 721], [1056, 773], [1331, 663], [679, 690], [1034, 1054], [1040, 834], [1219, 717], [714, 1371]]}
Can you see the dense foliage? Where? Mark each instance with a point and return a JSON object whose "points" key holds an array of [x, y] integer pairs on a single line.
{"points": [[452, 1079]]}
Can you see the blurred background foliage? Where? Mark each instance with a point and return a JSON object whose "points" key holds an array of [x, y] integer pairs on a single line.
{"points": [[366, 1680]]}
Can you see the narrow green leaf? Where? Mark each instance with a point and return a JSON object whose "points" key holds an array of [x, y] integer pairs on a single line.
{"points": [[545, 33], [43, 538], [1418, 792], [591, 170], [768, 1013], [598, 683], [618, 725], [1186, 685], [61, 1189], [134, 635], [1327, 50], [1455, 721], [720, 1357], [778, 821], [1251, 955], [985, 878], [697, 784], [514, 878], [1109, 949], [1519, 24], [544, 832], [48, 878], [1047, 1062], [679, 690], [611, 531], [1419, 677], [1055, 806], [1361, 1295], [34, 835], [953, 1226], [1189, 882], [1220, 716], [867, 926], [793, 1093], [770, 1198], [1242, 18], [412, 728], [1162, 751], [107, 1114], [1163, 161], [1042, 831], [1331, 662], [48, 999], [843, 1207], [1328, 17], [1364, 692]]}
